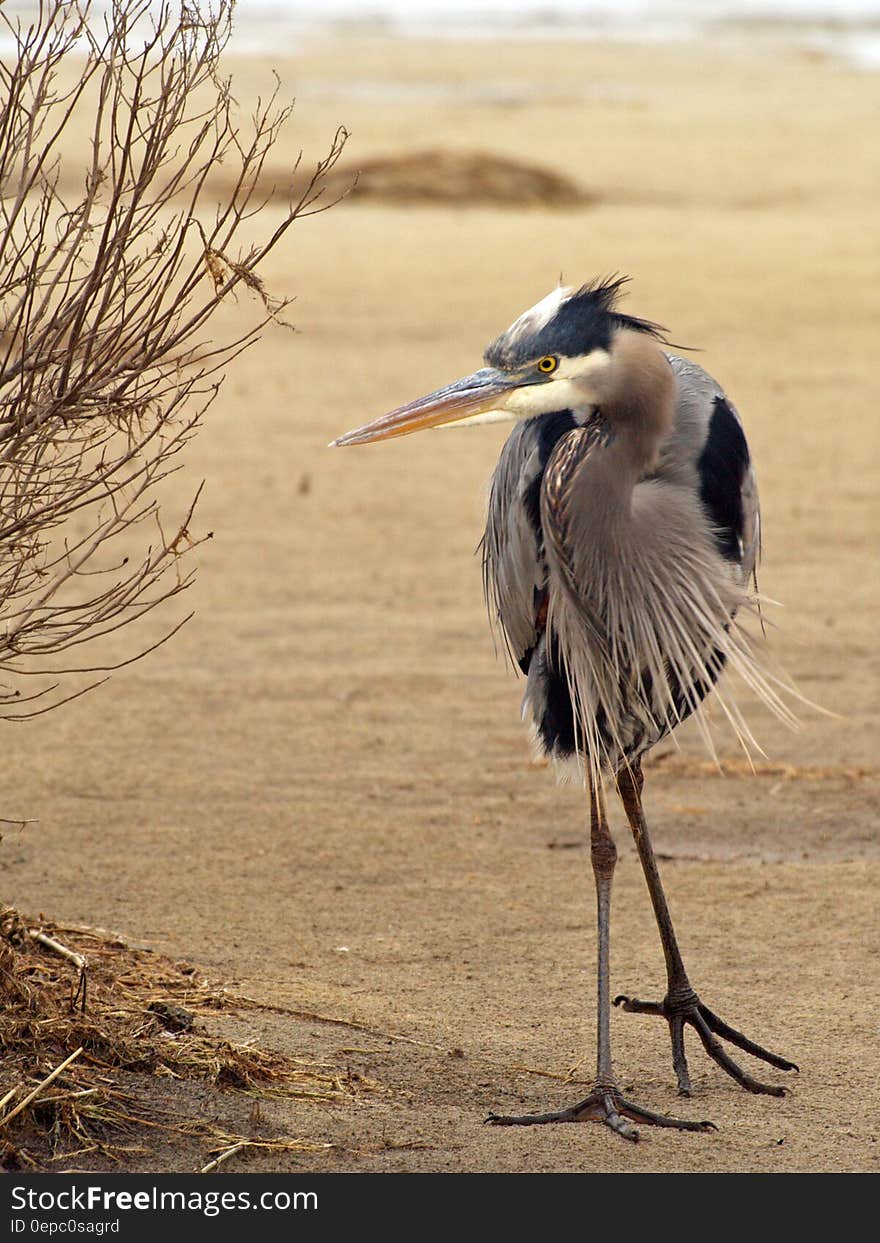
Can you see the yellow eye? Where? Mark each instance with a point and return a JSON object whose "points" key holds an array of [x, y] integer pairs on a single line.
{"points": [[548, 364]]}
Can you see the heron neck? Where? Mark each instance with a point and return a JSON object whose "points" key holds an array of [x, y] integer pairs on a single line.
{"points": [[637, 406], [608, 477]]}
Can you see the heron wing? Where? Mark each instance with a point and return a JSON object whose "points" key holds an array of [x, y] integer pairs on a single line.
{"points": [[514, 564], [708, 450]]}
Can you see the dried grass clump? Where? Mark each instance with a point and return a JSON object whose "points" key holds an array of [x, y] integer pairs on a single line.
{"points": [[445, 178], [78, 1019]]}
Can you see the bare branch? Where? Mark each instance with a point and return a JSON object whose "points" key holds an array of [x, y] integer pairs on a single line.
{"points": [[112, 263]]}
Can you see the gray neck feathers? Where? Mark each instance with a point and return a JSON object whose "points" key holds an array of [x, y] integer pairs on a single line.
{"points": [[638, 402]]}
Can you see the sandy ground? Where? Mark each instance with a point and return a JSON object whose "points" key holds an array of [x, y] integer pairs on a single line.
{"points": [[321, 789]]}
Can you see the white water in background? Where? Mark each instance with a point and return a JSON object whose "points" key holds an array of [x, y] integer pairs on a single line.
{"points": [[847, 29]]}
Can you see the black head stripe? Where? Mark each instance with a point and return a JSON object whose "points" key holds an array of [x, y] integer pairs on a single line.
{"points": [[584, 322]]}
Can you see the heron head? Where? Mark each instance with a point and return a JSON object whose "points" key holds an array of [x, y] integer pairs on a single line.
{"points": [[558, 355]]}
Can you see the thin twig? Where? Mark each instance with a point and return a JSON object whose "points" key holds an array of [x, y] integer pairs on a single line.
{"points": [[78, 960], [57, 948], [224, 1156], [50, 1078], [313, 1017]]}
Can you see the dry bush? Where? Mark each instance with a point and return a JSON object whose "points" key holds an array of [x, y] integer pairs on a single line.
{"points": [[114, 256]]}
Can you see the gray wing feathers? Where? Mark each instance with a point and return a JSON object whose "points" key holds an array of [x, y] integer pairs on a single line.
{"points": [[514, 569]]}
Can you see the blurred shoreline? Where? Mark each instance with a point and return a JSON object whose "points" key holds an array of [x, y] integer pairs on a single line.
{"points": [[844, 30], [847, 30]]}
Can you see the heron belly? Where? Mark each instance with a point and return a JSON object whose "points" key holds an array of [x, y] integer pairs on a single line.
{"points": [[549, 711]]}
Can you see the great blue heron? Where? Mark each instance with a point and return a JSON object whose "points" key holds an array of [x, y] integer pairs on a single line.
{"points": [[621, 541]]}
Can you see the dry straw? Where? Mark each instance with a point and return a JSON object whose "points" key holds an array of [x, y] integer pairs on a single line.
{"points": [[76, 1080]]}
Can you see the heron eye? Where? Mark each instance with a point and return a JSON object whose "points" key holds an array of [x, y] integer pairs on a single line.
{"points": [[548, 364]]}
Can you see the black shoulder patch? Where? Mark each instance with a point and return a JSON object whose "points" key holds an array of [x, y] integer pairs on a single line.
{"points": [[550, 429], [722, 468]]}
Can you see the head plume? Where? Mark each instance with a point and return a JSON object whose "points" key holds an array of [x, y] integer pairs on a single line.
{"points": [[569, 322]]}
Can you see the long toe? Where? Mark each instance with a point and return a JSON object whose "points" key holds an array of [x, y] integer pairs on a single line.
{"points": [[722, 1058], [711, 1031], [726, 1032], [607, 1106], [639, 1113]]}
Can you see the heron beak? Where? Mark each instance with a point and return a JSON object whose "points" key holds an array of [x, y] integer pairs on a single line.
{"points": [[475, 394]]}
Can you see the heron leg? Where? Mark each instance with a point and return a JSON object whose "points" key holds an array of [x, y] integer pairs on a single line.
{"points": [[603, 856], [605, 1103], [681, 1006]]}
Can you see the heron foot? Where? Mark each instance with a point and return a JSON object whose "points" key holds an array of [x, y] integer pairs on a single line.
{"points": [[691, 1012], [606, 1105]]}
